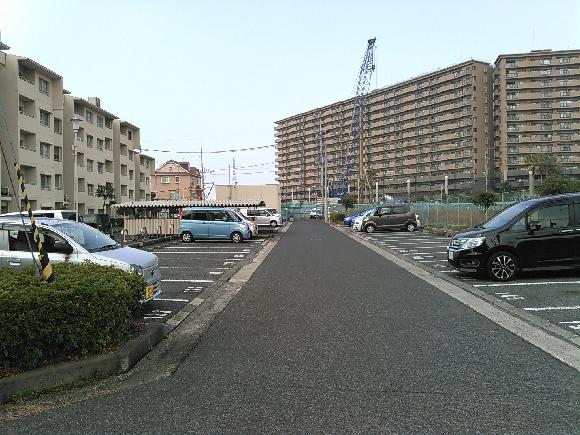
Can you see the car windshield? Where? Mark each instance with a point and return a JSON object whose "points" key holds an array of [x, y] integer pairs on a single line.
{"points": [[235, 216], [505, 216], [89, 238], [69, 215]]}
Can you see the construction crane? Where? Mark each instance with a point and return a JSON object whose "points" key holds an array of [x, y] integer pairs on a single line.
{"points": [[356, 145]]}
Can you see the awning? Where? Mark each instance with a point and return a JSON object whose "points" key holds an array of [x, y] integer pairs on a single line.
{"points": [[188, 203]]}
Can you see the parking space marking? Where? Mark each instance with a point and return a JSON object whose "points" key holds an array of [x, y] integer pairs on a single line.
{"points": [[171, 300], [237, 256], [525, 283], [195, 252], [157, 314], [229, 262], [509, 297], [575, 324], [574, 307], [215, 273], [186, 280]]}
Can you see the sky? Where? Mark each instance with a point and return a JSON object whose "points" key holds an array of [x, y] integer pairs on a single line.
{"points": [[217, 75]]}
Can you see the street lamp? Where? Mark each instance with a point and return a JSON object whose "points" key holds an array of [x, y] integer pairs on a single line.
{"points": [[76, 125]]}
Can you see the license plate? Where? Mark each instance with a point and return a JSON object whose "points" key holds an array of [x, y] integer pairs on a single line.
{"points": [[450, 255], [149, 292]]}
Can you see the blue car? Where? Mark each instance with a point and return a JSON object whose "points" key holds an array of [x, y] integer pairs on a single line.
{"points": [[212, 223], [349, 220]]}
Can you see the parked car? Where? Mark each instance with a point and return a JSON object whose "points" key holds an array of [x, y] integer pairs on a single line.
{"points": [[349, 220], [391, 217], [316, 213], [262, 216], [198, 223], [100, 221], [53, 214], [251, 224], [358, 222], [537, 234], [74, 242]]}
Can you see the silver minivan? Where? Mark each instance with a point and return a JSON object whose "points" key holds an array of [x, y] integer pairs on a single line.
{"points": [[75, 242]]}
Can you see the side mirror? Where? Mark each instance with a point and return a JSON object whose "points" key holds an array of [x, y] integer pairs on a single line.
{"points": [[535, 226], [67, 249]]}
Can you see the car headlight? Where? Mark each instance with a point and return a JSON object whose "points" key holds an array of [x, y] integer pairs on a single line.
{"points": [[472, 242], [136, 269]]}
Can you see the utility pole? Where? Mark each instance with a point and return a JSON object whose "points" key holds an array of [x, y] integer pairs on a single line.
{"points": [[202, 175]]}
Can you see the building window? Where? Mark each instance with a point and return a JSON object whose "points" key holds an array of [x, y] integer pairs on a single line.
{"points": [[89, 116], [57, 126], [131, 194], [564, 60], [564, 103], [130, 134], [44, 150], [57, 154], [91, 189], [131, 174], [108, 145], [566, 125], [177, 180], [90, 165], [565, 148], [58, 182], [99, 144], [89, 141], [99, 121], [546, 72], [43, 86], [566, 159], [564, 71], [545, 61], [565, 114], [44, 118], [165, 180], [44, 182], [100, 167], [565, 136]]}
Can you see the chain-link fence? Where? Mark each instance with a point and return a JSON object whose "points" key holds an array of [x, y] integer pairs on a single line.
{"points": [[448, 212]]}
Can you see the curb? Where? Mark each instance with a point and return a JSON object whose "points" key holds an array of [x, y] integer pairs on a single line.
{"points": [[119, 361], [522, 315], [151, 242]]}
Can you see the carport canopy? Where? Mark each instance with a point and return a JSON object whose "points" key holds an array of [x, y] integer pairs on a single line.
{"points": [[153, 207]]}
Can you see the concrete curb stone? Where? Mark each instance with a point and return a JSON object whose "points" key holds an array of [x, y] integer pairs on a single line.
{"points": [[119, 361]]}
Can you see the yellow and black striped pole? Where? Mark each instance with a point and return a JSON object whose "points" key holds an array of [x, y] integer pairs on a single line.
{"points": [[47, 273]]}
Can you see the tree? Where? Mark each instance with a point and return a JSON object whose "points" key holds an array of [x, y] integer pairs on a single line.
{"points": [[557, 184], [106, 192], [484, 200], [348, 201], [543, 164]]}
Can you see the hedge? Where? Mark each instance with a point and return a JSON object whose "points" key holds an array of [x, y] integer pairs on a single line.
{"points": [[87, 309]]}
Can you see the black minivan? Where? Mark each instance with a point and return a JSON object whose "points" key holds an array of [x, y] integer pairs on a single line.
{"points": [[537, 234]]}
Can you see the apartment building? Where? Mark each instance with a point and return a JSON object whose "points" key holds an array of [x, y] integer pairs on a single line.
{"points": [[37, 121], [427, 135], [177, 180], [31, 131], [536, 111]]}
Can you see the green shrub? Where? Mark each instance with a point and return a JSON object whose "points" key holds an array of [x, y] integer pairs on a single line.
{"points": [[336, 217], [87, 309]]}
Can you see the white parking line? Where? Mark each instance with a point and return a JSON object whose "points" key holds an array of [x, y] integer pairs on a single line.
{"points": [[229, 262], [197, 247], [196, 252], [171, 300], [574, 307], [526, 283], [215, 273], [186, 280]]}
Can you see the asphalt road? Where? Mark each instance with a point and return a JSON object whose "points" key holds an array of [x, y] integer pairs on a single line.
{"points": [[328, 336], [554, 296]]}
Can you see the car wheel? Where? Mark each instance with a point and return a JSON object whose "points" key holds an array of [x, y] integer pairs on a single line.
{"points": [[410, 227], [237, 237], [502, 266], [370, 228], [186, 237], [273, 224]]}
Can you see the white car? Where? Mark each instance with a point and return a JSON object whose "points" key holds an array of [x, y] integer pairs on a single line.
{"points": [[358, 222], [262, 216], [251, 224]]}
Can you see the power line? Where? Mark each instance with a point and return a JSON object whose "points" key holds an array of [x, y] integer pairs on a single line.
{"points": [[210, 152]]}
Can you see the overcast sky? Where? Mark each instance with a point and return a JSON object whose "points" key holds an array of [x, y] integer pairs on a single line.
{"points": [[218, 74]]}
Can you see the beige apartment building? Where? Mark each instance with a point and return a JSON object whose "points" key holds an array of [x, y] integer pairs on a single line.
{"points": [[536, 111], [177, 180], [31, 131], [423, 137], [269, 193], [37, 113]]}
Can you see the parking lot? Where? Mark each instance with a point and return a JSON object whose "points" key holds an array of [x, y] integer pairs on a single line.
{"points": [[554, 296], [189, 269]]}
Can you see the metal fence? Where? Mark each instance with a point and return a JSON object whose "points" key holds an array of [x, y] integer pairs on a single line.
{"points": [[447, 212]]}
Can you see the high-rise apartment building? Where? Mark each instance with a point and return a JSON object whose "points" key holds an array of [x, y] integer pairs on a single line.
{"points": [[423, 137], [36, 120], [536, 111]]}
